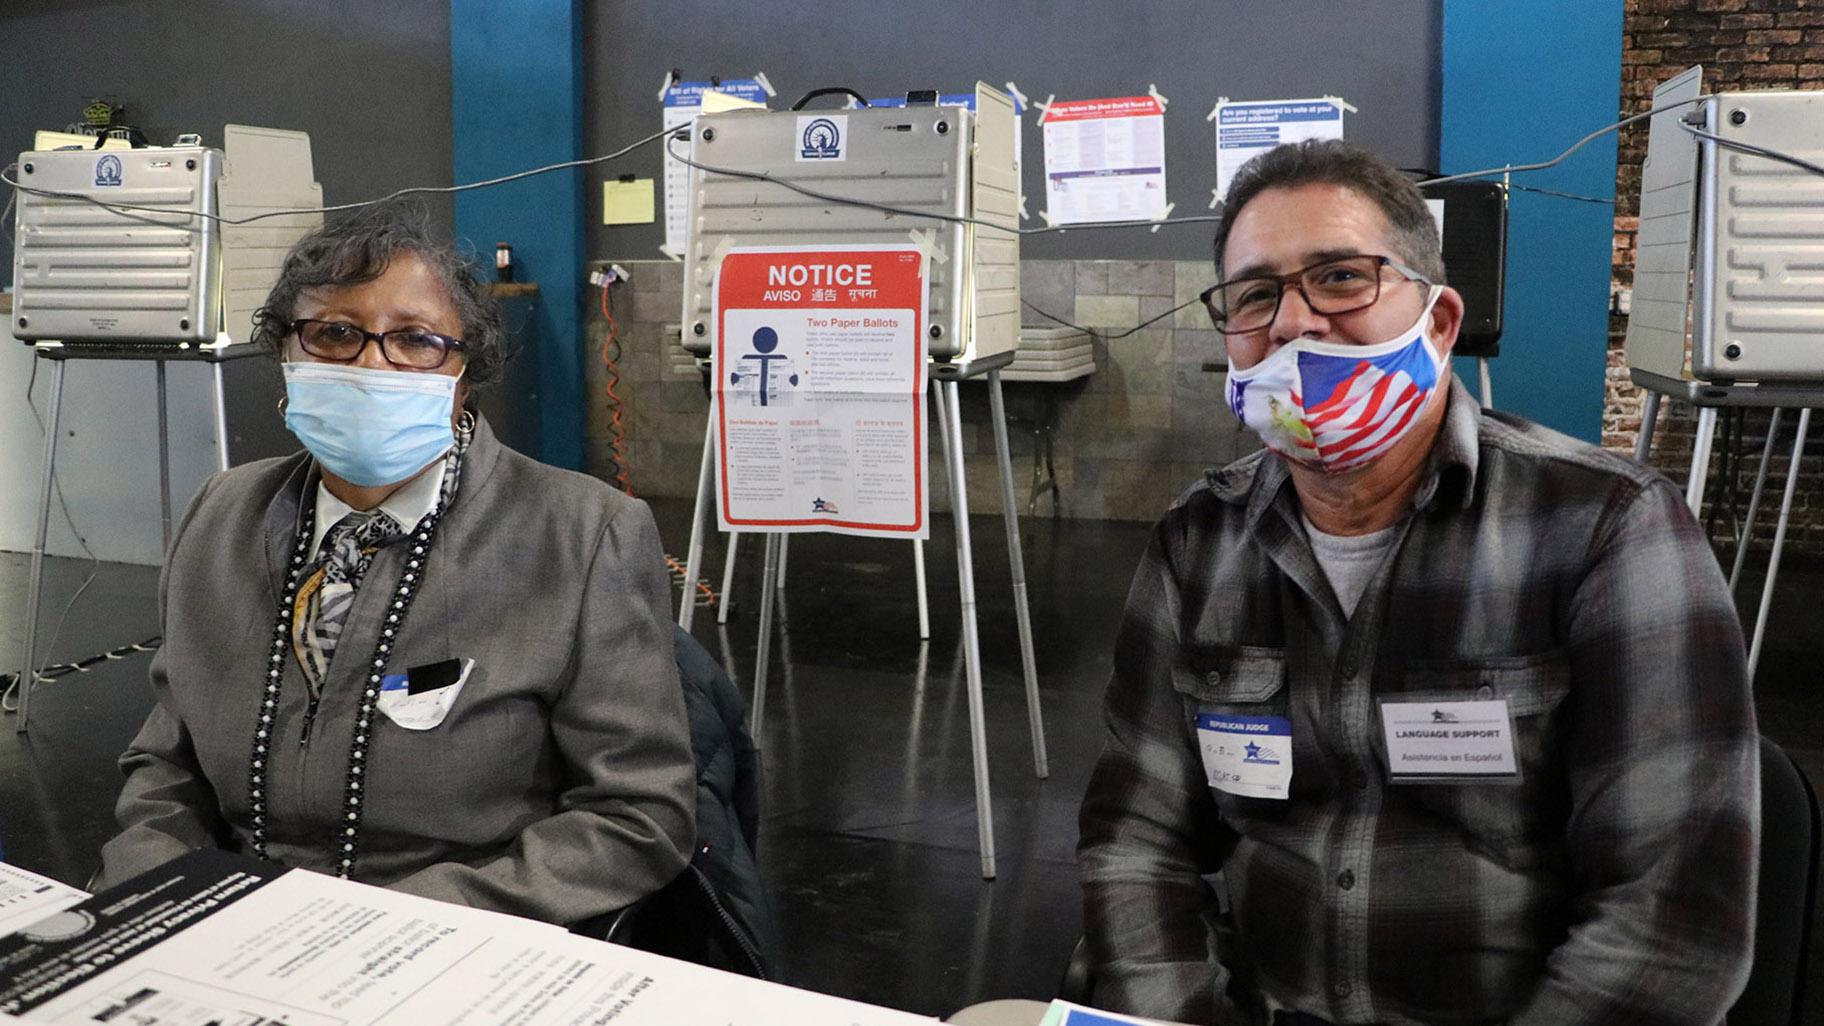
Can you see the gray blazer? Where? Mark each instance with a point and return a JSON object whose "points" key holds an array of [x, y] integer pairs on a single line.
{"points": [[560, 785]]}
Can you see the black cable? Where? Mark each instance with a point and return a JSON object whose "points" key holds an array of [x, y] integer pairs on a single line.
{"points": [[120, 208], [1758, 151], [1093, 333]]}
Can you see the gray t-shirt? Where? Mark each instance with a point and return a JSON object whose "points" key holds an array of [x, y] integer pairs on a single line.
{"points": [[1349, 561]]}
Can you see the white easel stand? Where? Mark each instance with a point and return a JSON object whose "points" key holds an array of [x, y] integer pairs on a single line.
{"points": [[59, 355], [1708, 399], [950, 427]]}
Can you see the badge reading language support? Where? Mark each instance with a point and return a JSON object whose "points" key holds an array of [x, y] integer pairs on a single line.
{"points": [[1247, 756], [1448, 741]]}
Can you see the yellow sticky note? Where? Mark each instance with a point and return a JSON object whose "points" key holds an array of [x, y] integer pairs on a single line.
{"points": [[627, 202]]}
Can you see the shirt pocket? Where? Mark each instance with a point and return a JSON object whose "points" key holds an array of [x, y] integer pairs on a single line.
{"points": [[1514, 820], [1246, 680]]}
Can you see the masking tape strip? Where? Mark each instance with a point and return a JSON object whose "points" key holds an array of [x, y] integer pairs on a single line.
{"points": [[1345, 104], [760, 77], [1018, 97], [1153, 91], [1024, 216], [670, 254], [1044, 107], [1215, 198], [926, 241], [1211, 116], [1163, 214], [1050, 221], [665, 87]]}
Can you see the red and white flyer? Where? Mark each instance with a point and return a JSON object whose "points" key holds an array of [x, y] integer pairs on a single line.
{"points": [[819, 369], [1105, 160]]}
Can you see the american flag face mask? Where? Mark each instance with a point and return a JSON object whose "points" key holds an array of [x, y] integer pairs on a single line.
{"points": [[1336, 406]]}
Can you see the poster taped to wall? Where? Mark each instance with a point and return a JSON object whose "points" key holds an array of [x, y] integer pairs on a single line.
{"points": [[1105, 160], [683, 101], [1246, 129], [819, 365]]}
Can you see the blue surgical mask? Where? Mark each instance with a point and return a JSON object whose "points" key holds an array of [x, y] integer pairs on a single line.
{"points": [[369, 427]]}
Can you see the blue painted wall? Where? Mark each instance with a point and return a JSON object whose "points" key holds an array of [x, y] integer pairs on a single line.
{"points": [[516, 102], [1522, 81]]}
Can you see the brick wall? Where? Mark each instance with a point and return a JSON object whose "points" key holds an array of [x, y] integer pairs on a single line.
{"points": [[1743, 45]]}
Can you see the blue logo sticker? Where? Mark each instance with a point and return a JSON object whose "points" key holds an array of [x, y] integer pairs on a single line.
{"points": [[107, 170], [822, 141]]}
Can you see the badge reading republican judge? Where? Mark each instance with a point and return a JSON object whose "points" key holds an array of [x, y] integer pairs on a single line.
{"points": [[1247, 756]]}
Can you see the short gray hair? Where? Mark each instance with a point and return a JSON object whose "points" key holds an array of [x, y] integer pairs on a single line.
{"points": [[359, 248], [1334, 162]]}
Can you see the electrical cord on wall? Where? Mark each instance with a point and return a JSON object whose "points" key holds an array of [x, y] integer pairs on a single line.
{"points": [[617, 431]]}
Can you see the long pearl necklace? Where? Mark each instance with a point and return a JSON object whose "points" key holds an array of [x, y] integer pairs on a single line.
{"points": [[401, 603]]}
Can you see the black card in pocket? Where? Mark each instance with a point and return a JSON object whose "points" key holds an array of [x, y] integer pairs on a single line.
{"points": [[432, 676]]}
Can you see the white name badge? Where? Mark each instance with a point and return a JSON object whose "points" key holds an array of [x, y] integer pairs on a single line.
{"points": [[1247, 756], [427, 708], [1448, 740]]}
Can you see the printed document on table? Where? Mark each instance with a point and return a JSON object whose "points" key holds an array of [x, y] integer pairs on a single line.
{"points": [[227, 940], [1246, 129], [26, 897], [1105, 160]]}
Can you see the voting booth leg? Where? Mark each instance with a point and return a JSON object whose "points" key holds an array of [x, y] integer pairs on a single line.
{"points": [[1754, 501], [164, 461], [950, 413], [28, 670], [687, 601], [1010, 515], [1649, 418], [924, 605], [221, 418], [728, 577], [785, 546], [1488, 388], [765, 652], [1779, 540], [1700, 458]]}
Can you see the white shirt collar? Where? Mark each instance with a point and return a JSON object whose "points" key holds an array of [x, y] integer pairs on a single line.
{"points": [[408, 505]]}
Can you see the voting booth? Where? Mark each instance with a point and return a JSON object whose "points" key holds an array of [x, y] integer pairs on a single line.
{"points": [[840, 264], [1724, 312]]}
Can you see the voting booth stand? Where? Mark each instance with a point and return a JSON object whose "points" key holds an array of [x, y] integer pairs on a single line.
{"points": [[824, 320], [163, 282], [1722, 317]]}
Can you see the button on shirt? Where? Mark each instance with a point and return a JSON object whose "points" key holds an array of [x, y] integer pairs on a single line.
{"points": [[1612, 882]]}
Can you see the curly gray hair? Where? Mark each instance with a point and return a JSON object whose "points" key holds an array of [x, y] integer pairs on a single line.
{"points": [[360, 248]]}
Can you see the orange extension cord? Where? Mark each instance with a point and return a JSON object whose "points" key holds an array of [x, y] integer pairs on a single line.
{"points": [[617, 440]]}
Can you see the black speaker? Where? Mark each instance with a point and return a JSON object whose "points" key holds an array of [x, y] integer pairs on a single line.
{"points": [[1475, 259]]}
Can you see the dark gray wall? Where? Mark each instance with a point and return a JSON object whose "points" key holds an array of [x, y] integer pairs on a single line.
{"points": [[369, 81], [1381, 56]]}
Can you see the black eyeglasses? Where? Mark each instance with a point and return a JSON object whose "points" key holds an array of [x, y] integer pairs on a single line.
{"points": [[412, 348], [1337, 286]]}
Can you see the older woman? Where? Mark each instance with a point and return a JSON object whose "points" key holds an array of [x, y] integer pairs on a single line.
{"points": [[409, 655]]}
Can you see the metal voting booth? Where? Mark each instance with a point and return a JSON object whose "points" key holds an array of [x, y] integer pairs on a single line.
{"points": [[164, 281], [953, 163], [1728, 251]]}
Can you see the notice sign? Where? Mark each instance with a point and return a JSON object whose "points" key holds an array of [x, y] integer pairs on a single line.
{"points": [[1105, 160], [820, 381], [1246, 130]]}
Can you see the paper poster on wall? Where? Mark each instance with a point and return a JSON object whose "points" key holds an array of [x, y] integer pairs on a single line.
{"points": [[1246, 129], [819, 366], [1105, 160], [683, 101]]}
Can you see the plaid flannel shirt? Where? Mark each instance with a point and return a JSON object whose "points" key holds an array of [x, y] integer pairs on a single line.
{"points": [[1613, 882]]}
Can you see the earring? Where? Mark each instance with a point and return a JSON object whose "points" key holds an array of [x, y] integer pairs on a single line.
{"points": [[282, 404]]}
